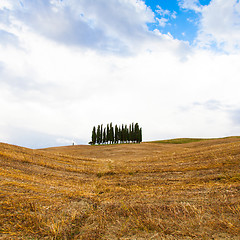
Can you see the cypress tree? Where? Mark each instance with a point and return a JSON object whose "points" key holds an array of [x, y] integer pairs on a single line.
{"points": [[116, 134], [101, 134], [136, 133], [130, 132], [121, 133], [98, 134], [127, 134], [140, 135], [94, 136], [133, 133], [124, 134], [104, 136], [111, 134], [108, 134]]}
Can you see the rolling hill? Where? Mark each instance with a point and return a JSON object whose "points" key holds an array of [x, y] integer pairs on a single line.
{"points": [[128, 191]]}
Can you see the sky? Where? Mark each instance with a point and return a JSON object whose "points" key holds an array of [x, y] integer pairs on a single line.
{"points": [[173, 66]]}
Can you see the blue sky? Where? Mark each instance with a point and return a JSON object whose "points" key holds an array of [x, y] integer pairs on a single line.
{"points": [[65, 66], [181, 23], [182, 26]]}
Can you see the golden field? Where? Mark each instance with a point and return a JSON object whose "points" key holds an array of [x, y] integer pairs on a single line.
{"points": [[128, 191]]}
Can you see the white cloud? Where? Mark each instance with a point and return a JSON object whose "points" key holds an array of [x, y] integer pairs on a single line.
{"points": [[53, 91], [163, 12], [5, 4], [162, 21], [165, 16], [210, 104], [220, 25], [111, 26], [190, 5], [7, 38], [60, 93]]}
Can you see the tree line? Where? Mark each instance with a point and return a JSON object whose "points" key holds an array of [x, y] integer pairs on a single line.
{"points": [[116, 134]]}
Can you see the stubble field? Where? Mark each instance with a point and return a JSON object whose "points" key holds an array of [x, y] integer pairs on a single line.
{"points": [[127, 191]]}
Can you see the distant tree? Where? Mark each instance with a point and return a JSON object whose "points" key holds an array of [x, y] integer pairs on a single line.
{"points": [[140, 135], [137, 136], [99, 134], [127, 134], [108, 134], [133, 132], [116, 135], [122, 134], [130, 132], [104, 136], [111, 133], [94, 136]]}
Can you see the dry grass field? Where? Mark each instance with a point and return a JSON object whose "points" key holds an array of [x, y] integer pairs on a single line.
{"points": [[128, 191]]}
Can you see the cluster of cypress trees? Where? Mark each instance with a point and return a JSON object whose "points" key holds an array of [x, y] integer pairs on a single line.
{"points": [[117, 134]]}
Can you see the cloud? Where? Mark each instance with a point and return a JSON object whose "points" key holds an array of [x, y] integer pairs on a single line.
{"points": [[34, 139], [210, 105], [5, 4], [166, 12], [234, 116], [220, 25], [69, 74], [83, 89], [165, 15], [190, 5], [115, 26], [8, 38], [162, 21], [118, 27], [1, 67]]}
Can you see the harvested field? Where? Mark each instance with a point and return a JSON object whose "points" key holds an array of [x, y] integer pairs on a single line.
{"points": [[127, 191]]}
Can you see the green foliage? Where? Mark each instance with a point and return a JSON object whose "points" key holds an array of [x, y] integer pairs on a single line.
{"points": [[104, 136], [116, 134], [94, 136], [99, 135], [108, 133], [116, 139], [111, 133]]}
